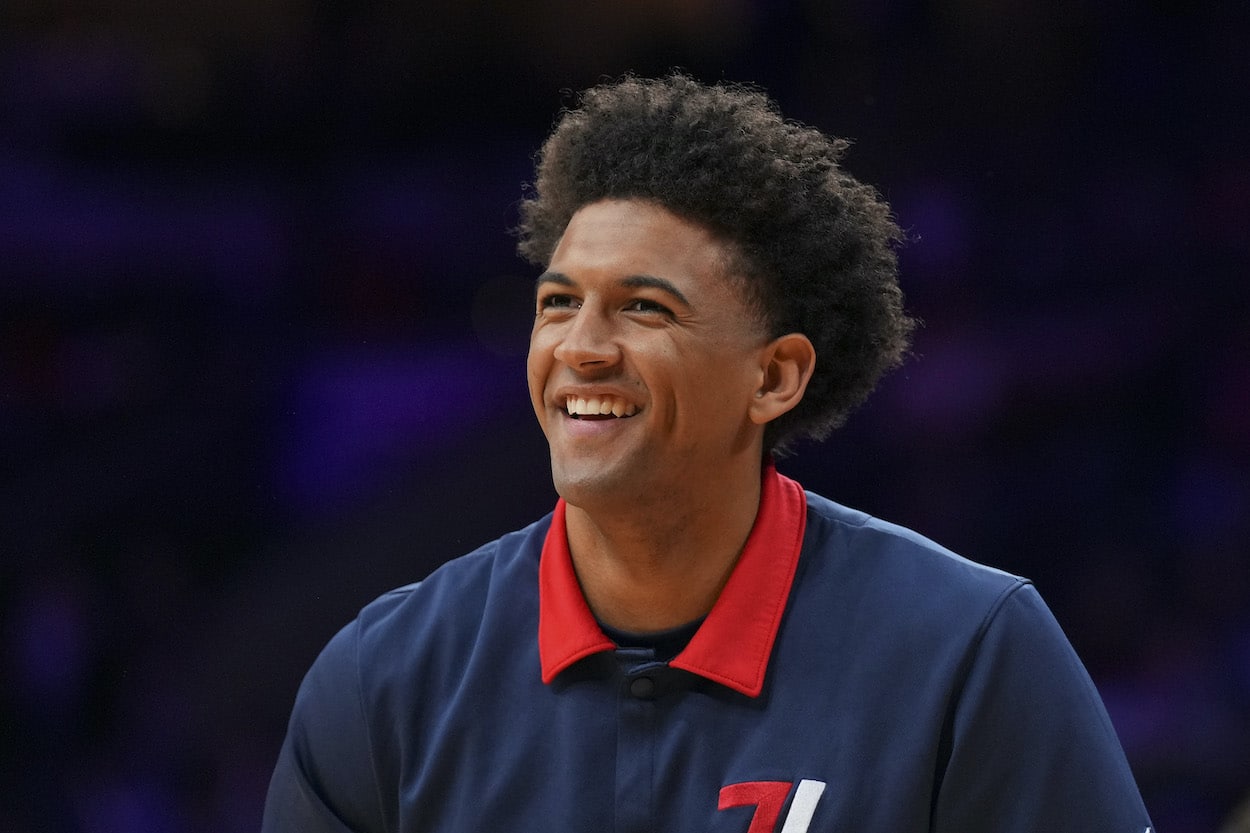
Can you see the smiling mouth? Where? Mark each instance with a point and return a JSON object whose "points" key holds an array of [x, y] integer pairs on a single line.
{"points": [[599, 407]]}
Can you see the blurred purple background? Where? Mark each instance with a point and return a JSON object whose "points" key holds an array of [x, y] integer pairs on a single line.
{"points": [[262, 339]]}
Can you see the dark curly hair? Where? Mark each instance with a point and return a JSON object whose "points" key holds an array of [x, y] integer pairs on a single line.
{"points": [[815, 246]]}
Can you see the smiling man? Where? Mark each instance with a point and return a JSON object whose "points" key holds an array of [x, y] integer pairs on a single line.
{"points": [[690, 641], [652, 378]]}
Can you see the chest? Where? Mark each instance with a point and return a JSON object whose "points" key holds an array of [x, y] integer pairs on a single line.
{"points": [[630, 746]]}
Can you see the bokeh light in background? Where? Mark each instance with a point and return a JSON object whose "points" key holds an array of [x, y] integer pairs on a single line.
{"points": [[262, 340]]}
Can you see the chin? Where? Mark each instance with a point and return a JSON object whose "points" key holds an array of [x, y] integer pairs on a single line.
{"points": [[587, 483]]}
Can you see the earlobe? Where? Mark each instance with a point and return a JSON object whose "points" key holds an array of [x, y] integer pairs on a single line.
{"points": [[788, 362]]}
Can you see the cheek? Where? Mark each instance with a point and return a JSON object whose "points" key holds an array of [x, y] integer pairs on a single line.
{"points": [[540, 349], [534, 375], [538, 403], [539, 364], [723, 383]]}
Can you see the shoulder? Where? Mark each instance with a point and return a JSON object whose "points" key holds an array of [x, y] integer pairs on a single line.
{"points": [[895, 552], [454, 596], [355, 710], [982, 665], [896, 578], [413, 643]]}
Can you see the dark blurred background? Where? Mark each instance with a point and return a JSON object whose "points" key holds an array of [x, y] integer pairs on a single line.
{"points": [[262, 338]]}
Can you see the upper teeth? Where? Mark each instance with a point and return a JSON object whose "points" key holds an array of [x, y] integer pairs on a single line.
{"points": [[599, 405]]}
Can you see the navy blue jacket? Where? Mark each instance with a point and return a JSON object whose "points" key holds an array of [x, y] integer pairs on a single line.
{"points": [[853, 676]]}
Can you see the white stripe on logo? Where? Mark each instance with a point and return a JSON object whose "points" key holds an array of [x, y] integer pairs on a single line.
{"points": [[804, 805]]}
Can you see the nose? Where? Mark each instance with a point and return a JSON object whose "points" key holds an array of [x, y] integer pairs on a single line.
{"points": [[588, 341]]}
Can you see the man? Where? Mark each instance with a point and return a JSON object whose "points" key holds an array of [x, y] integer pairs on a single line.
{"points": [[690, 642]]}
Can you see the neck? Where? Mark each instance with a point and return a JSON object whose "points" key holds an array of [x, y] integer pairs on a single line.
{"points": [[650, 568]]}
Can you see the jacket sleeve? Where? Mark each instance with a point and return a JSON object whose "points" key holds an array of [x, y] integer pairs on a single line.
{"points": [[1031, 747], [325, 781]]}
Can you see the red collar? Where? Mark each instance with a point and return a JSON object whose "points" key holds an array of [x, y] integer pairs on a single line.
{"points": [[733, 644]]}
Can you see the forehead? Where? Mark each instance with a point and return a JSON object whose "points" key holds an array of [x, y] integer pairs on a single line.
{"points": [[632, 237]]}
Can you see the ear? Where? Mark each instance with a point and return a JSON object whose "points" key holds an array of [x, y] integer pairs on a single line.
{"points": [[787, 365]]}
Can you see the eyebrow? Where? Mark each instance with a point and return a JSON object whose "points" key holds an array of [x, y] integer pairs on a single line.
{"points": [[631, 281]]}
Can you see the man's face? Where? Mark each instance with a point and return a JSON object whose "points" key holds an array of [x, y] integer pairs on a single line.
{"points": [[643, 357]]}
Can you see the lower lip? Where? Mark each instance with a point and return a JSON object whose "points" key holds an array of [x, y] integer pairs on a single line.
{"points": [[593, 427]]}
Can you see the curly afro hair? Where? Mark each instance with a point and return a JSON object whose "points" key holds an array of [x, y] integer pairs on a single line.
{"points": [[816, 248]]}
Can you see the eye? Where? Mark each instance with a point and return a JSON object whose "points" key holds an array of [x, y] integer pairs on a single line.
{"points": [[557, 301], [645, 305]]}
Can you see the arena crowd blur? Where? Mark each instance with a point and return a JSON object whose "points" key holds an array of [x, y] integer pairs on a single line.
{"points": [[262, 337]]}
